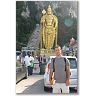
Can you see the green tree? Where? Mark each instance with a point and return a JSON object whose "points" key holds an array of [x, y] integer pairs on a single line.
{"points": [[24, 26]]}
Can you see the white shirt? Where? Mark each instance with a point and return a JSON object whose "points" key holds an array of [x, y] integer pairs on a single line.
{"points": [[18, 58], [31, 58], [27, 60]]}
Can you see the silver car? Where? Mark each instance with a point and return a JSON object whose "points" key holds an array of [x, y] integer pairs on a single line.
{"points": [[73, 73]]}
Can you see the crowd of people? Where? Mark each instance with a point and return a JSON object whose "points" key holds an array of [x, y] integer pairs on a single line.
{"points": [[29, 59]]}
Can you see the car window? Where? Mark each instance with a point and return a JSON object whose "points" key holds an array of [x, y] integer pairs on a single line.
{"points": [[73, 63]]}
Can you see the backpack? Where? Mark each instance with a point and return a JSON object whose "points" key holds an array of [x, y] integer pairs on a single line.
{"points": [[54, 61]]}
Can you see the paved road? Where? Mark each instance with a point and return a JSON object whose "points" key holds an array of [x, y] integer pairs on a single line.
{"points": [[33, 85]]}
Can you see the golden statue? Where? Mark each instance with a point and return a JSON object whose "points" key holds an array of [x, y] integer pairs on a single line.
{"points": [[48, 28]]}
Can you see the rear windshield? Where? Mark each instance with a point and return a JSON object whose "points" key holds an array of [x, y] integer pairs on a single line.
{"points": [[73, 63]]}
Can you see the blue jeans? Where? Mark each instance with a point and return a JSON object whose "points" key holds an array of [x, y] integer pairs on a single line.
{"points": [[29, 71]]}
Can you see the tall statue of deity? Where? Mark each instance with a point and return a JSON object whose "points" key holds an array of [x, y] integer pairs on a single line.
{"points": [[48, 28]]}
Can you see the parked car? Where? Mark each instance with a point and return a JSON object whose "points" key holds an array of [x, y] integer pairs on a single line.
{"points": [[73, 73], [21, 71]]}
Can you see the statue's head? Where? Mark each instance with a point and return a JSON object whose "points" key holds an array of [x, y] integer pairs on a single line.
{"points": [[49, 10]]}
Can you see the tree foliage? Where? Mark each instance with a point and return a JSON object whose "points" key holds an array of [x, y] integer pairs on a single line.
{"points": [[65, 33], [24, 26]]}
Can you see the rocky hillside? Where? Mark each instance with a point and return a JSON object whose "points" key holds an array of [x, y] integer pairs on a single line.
{"points": [[28, 14]]}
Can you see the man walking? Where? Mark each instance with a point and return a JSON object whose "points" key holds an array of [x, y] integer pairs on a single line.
{"points": [[61, 69], [28, 63]]}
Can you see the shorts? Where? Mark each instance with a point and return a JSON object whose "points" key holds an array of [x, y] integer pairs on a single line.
{"points": [[60, 88]]}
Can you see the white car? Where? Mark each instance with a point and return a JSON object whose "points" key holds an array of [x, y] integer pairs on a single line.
{"points": [[73, 73]]}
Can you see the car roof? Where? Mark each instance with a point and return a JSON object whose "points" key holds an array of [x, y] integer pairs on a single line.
{"points": [[63, 56], [67, 57]]}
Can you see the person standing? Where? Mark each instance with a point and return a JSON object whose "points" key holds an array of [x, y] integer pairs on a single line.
{"points": [[40, 60], [23, 54], [28, 63], [61, 70], [32, 64], [44, 59], [18, 57]]}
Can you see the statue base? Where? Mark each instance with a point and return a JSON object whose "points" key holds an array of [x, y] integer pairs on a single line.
{"points": [[48, 52]]}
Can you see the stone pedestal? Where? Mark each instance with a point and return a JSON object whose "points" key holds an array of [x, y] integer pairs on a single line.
{"points": [[48, 52]]}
